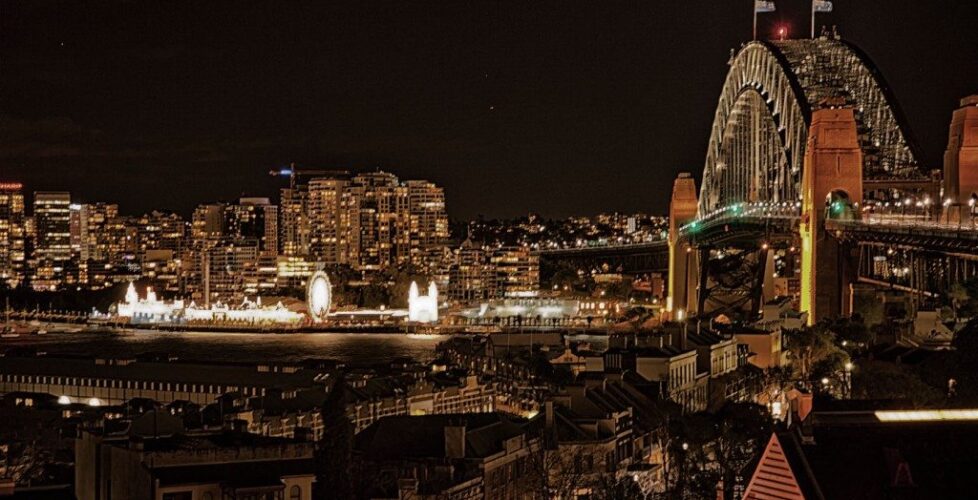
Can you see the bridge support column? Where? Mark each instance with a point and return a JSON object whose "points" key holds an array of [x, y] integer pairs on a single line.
{"points": [[961, 163], [833, 164], [683, 270]]}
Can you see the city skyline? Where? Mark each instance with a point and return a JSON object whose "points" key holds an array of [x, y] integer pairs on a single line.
{"points": [[191, 103], [322, 251]]}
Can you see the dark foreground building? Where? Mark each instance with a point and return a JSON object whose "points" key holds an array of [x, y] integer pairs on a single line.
{"points": [[154, 459], [903, 454], [476, 455]]}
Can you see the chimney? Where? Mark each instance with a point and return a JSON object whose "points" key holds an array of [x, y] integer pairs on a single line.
{"points": [[455, 439]]}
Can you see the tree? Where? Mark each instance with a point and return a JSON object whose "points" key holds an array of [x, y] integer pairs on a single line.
{"points": [[813, 352], [885, 380], [743, 430], [334, 452], [562, 471], [957, 295], [852, 330], [869, 308]]}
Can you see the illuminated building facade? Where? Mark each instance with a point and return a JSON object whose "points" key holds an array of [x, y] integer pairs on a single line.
{"points": [[517, 271], [380, 208], [224, 269], [428, 226], [233, 252], [329, 219], [471, 277], [257, 219], [161, 243], [370, 221], [12, 234], [295, 229], [209, 224], [53, 263], [102, 241], [423, 308], [152, 310], [161, 231]]}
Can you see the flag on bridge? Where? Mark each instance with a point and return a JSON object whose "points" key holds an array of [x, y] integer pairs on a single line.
{"points": [[821, 6], [763, 6]]}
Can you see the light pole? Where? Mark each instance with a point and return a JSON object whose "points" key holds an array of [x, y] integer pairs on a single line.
{"points": [[971, 207], [848, 384]]}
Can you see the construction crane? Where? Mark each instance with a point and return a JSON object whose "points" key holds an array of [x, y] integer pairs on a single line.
{"points": [[294, 173]]}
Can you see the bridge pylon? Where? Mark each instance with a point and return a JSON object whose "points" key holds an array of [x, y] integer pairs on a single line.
{"points": [[832, 184], [683, 261], [961, 162]]}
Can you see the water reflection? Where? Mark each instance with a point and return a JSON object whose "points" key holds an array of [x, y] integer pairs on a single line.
{"points": [[238, 347]]}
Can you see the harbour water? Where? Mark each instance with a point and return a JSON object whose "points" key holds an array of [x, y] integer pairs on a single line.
{"points": [[350, 348], [234, 347]]}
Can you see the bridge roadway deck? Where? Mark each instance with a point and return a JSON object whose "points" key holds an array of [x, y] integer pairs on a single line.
{"points": [[752, 230], [920, 234]]}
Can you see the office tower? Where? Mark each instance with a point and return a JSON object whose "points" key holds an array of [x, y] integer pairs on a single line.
{"points": [[257, 219], [52, 247], [12, 234]]}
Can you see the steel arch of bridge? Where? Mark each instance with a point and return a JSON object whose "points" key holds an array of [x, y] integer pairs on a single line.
{"points": [[760, 129]]}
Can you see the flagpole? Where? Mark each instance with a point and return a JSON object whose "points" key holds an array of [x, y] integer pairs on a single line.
{"points": [[813, 19], [755, 20]]}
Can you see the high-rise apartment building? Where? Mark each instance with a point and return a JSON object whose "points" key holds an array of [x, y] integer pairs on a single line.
{"points": [[517, 271], [257, 219], [428, 219], [332, 222], [233, 251], [52, 258], [371, 221], [210, 224], [96, 242], [472, 277], [160, 231], [381, 207], [161, 241], [94, 220], [12, 234], [295, 230]]}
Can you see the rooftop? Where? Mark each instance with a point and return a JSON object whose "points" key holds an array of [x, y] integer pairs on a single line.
{"points": [[398, 437]]}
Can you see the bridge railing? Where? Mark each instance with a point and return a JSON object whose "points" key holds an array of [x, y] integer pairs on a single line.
{"points": [[957, 231], [761, 210]]}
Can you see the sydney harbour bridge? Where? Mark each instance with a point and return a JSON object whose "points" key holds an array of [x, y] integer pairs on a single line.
{"points": [[812, 185]]}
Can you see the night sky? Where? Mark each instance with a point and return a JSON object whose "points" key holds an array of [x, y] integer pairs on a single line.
{"points": [[553, 107]]}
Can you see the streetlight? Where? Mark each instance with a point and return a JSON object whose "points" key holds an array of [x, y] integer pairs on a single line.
{"points": [[971, 206], [848, 386]]}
